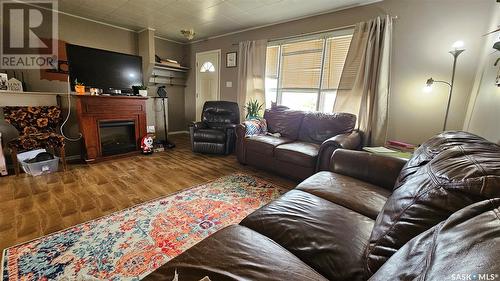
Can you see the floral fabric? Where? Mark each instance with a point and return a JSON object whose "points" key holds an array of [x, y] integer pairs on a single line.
{"points": [[37, 126]]}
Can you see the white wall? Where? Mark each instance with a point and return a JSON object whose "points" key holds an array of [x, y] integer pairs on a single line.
{"points": [[483, 115]]}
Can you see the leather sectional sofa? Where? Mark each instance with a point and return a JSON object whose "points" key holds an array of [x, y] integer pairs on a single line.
{"points": [[435, 217], [305, 143]]}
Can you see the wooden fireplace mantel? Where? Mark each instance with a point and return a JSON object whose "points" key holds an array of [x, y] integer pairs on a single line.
{"points": [[93, 109]]}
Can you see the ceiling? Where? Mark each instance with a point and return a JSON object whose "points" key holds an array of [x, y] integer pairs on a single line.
{"points": [[207, 17]]}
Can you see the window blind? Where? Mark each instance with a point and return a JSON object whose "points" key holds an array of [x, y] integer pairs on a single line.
{"points": [[301, 64], [305, 73], [272, 53], [335, 55]]}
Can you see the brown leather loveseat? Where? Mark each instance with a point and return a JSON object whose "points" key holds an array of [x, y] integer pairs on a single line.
{"points": [[305, 143], [436, 217]]}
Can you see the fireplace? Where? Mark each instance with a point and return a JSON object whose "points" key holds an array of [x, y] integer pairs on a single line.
{"points": [[111, 125], [117, 137]]}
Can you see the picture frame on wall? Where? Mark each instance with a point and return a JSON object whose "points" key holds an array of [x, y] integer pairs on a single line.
{"points": [[3, 81], [231, 59]]}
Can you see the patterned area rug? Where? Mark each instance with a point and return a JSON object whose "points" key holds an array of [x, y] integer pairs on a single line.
{"points": [[129, 244]]}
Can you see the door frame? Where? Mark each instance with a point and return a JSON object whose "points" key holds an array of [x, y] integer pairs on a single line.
{"points": [[219, 53]]}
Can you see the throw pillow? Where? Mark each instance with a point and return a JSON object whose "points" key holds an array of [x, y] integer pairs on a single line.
{"points": [[255, 127]]}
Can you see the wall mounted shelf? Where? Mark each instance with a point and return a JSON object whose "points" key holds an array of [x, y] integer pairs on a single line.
{"points": [[171, 68], [154, 73], [168, 76]]}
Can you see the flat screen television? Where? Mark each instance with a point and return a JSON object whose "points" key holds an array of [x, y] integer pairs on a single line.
{"points": [[103, 69]]}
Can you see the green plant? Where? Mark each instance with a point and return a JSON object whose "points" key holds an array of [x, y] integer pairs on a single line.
{"points": [[253, 107], [78, 83]]}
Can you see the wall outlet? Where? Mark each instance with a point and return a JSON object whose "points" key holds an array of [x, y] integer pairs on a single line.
{"points": [[229, 84], [151, 129]]}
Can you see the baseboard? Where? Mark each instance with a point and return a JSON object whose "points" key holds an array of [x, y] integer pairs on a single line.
{"points": [[79, 157], [178, 132]]}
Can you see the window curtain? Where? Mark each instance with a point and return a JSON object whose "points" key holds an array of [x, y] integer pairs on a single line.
{"points": [[364, 85], [251, 73]]}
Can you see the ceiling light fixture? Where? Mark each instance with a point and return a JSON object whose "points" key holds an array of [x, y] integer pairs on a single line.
{"points": [[188, 33]]}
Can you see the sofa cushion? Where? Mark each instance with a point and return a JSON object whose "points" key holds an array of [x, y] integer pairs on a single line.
{"points": [[209, 135], [328, 237], [466, 244], [33, 141], [285, 122], [300, 153], [264, 144], [236, 253], [447, 173], [362, 197], [317, 126]]}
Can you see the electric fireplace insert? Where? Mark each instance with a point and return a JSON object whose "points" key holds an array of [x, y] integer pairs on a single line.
{"points": [[117, 137]]}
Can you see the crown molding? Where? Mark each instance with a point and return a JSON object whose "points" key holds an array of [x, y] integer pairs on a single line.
{"points": [[171, 40], [285, 21], [147, 28]]}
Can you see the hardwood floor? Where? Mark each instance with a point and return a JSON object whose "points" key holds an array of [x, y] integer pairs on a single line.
{"points": [[31, 207]]}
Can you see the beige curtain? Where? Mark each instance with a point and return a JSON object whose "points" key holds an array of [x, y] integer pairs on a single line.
{"points": [[364, 86], [251, 73]]}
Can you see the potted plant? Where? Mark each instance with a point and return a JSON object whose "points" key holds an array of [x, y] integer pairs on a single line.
{"points": [[79, 87], [253, 108], [140, 90]]}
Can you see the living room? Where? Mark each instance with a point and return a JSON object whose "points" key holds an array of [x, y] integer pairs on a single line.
{"points": [[250, 140]]}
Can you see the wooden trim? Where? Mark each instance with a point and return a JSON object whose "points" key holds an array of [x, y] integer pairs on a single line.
{"points": [[91, 110]]}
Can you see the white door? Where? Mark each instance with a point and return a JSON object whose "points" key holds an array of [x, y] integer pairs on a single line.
{"points": [[207, 79]]}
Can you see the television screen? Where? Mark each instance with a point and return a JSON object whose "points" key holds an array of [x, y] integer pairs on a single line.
{"points": [[103, 69]]}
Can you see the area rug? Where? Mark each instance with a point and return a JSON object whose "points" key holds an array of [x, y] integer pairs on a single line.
{"points": [[129, 244]]}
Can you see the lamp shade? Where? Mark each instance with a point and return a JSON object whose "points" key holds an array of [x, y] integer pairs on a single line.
{"points": [[458, 45]]}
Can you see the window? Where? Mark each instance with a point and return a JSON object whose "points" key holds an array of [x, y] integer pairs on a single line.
{"points": [[305, 73], [207, 66]]}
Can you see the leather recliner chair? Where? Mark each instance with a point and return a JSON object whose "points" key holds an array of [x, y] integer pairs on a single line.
{"points": [[215, 133]]}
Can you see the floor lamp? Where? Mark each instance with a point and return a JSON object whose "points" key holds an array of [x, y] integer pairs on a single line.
{"points": [[162, 94], [457, 50]]}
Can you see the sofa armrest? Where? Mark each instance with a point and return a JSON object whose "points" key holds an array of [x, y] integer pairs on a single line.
{"points": [[375, 169], [347, 141], [240, 143], [241, 130], [231, 126], [193, 126], [197, 125], [230, 137]]}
